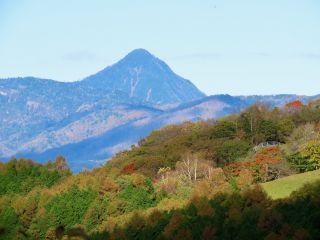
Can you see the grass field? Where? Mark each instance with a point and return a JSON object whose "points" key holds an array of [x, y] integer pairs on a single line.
{"points": [[285, 186]]}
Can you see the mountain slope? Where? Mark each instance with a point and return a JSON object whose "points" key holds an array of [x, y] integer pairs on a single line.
{"points": [[94, 150], [30, 106]]}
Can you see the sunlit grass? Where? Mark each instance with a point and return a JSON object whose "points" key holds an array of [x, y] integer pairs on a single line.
{"points": [[285, 186]]}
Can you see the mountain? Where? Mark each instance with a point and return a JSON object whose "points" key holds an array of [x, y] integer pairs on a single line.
{"points": [[30, 106], [92, 151], [88, 121], [142, 75], [278, 99], [41, 114]]}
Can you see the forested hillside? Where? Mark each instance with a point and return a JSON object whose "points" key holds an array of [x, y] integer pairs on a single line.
{"points": [[191, 181]]}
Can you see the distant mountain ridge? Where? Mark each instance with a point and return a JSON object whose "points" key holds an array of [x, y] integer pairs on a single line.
{"points": [[90, 120]]}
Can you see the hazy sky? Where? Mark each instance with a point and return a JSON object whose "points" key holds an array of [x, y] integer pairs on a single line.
{"points": [[222, 46]]}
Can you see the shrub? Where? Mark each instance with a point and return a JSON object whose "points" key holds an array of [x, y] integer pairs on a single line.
{"points": [[231, 150], [224, 129], [311, 151], [67, 209]]}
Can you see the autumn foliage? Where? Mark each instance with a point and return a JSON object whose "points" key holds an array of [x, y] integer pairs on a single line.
{"points": [[295, 104], [265, 157], [190, 181], [127, 169]]}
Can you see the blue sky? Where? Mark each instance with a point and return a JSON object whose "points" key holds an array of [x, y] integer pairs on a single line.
{"points": [[222, 46]]}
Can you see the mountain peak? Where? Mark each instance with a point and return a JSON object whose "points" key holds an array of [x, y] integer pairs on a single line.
{"points": [[144, 76], [139, 52], [139, 56]]}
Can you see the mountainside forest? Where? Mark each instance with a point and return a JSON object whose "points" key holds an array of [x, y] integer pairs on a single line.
{"points": [[197, 180]]}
